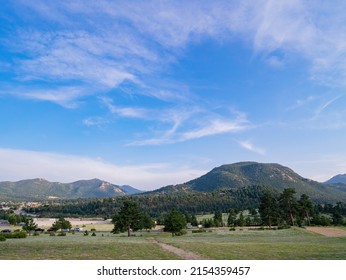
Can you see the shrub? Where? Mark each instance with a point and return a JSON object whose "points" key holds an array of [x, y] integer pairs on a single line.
{"points": [[94, 234], [2, 237], [86, 233], [93, 229], [198, 230], [62, 233], [232, 229], [36, 233], [52, 233], [21, 234], [180, 233]]}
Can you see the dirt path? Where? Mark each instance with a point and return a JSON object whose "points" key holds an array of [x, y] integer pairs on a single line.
{"points": [[327, 231], [186, 255]]}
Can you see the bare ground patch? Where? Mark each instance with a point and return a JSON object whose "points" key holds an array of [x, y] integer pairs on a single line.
{"points": [[186, 255], [328, 231]]}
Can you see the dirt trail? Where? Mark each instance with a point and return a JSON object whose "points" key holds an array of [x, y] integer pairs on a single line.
{"points": [[186, 255], [327, 231]]}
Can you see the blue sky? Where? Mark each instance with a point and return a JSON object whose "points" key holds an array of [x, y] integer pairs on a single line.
{"points": [[151, 93]]}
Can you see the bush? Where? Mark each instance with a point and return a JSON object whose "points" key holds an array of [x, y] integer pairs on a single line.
{"points": [[93, 229], [36, 233], [86, 233], [198, 230], [21, 234], [52, 233], [62, 233], [180, 233], [283, 226], [94, 234], [2, 237], [232, 229]]}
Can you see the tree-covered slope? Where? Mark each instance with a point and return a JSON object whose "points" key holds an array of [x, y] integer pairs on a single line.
{"points": [[244, 174]]}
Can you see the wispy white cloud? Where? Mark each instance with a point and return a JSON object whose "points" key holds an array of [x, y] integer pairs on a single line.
{"points": [[114, 42], [124, 111], [213, 128], [95, 121], [21, 164], [302, 102], [209, 124], [66, 96], [246, 144], [326, 104]]}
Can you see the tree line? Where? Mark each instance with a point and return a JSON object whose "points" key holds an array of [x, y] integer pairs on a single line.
{"points": [[286, 210], [266, 206]]}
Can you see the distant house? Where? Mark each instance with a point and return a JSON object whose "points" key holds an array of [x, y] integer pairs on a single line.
{"points": [[4, 223]]}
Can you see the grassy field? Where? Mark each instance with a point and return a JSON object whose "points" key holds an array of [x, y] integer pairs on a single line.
{"points": [[294, 243], [288, 244], [79, 247]]}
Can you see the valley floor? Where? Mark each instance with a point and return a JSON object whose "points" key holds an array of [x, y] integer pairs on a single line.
{"points": [[221, 244]]}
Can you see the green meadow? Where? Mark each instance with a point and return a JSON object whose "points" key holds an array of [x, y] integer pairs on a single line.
{"points": [[287, 244]]}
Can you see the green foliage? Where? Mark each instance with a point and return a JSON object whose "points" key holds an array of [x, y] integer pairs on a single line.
{"points": [[289, 206], [218, 219], [61, 223], [29, 226], [129, 218], [20, 234], [268, 209], [200, 230], [2, 237], [232, 217], [157, 204], [208, 223], [241, 220], [175, 222], [305, 208]]}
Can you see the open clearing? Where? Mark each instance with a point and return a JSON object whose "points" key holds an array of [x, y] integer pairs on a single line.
{"points": [[327, 231], [288, 244]]}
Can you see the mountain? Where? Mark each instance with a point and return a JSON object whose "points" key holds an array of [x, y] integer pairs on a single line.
{"points": [[244, 174], [338, 181], [41, 189]]}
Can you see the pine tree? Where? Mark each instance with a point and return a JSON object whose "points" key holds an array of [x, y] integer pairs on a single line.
{"points": [[129, 218], [174, 222], [289, 205], [268, 209]]}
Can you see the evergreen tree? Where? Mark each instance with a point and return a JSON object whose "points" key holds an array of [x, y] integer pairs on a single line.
{"points": [[194, 221], [29, 226], [129, 217], [175, 222], [218, 219], [289, 205], [268, 209], [241, 220], [232, 217], [305, 207], [61, 223]]}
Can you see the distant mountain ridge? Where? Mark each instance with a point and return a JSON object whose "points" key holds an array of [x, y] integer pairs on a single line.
{"points": [[338, 181], [244, 174], [41, 189], [226, 178]]}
